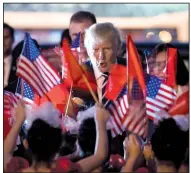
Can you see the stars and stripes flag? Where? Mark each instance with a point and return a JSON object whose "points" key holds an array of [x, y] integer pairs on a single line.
{"points": [[9, 102], [28, 93], [118, 110], [75, 45], [159, 96], [120, 118], [35, 69]]}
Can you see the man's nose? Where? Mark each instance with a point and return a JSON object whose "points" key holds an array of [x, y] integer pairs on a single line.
{"points": [[101, 55], [81, 37]]}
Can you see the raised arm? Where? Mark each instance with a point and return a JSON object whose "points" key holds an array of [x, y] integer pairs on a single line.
{"points": [[10, 141], [133, 150], [101, 148]]}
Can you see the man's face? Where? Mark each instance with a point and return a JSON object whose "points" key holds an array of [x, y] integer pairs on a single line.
{"points": [[75, 28], [104, 54], [7, 41]]}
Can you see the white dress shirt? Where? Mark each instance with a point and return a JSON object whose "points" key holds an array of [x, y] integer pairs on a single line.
{"points": [[99, 79]]}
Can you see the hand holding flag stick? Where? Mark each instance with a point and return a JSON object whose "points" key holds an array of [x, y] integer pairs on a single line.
{"points": [[69, 98]]}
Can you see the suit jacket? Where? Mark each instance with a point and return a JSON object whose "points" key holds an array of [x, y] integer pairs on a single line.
{"points": [[12, 82]]}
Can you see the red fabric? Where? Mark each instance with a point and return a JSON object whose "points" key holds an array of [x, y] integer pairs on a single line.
{"points": [[116, 81], [65, 165], [62, 164], [116, 161], [134, 66], [142, 169], [75, 71], [181, 105], [58, 96], [171, 66]]}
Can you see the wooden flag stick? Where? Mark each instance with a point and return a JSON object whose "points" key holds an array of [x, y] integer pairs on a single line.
{"points": [[22, 88], [90, 88], [68, 100]]}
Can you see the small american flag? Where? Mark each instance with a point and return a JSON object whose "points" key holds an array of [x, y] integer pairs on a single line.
{"points": [[120, 118], [118, 110], [28, 94], [9, 103], [75, 46], [137, 93], [159, 96], [35, 69]]}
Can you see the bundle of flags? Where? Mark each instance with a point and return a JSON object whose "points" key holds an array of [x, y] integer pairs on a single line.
{"points": [[118, 96], [76, 71], [157, 93], [161, 93], [41, 81]]}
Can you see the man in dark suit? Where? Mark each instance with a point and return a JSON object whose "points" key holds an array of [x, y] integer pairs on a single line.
{"points": [[79, 22], [9, 61]]}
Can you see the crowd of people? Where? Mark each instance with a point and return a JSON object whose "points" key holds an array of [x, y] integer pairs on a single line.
{"points": [[82, 141]]}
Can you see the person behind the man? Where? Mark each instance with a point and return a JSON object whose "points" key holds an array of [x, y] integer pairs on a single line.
{"points": [[102, 42], [79, 22], [8, 40]]}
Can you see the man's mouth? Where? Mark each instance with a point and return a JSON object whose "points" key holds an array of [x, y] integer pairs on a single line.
{"points": [[102, 64]]}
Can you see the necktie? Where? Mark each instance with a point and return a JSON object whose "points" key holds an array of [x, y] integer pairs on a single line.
{"points": [[106, 75]]}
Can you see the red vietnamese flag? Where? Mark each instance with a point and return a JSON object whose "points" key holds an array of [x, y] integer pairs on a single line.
{"points": [[171, 66], [116, 81], [181, 106], [135, 70], [58, 96], [76, 71]]}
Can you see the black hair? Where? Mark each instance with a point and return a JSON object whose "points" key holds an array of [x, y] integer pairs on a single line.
{"points": [[182, 75], [11, 30], [68, 144], [142, 58], [65, 35], [81, 16], [169, 142], [44, 140], [87, 137]]}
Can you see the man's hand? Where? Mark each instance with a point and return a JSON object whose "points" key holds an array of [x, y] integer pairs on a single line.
{"points": [[132, 147]]}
